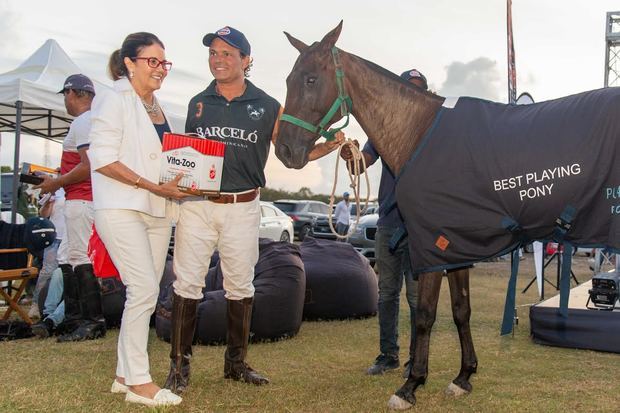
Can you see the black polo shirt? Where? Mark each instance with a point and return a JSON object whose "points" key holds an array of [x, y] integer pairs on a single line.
{"points": [[245, 125]]}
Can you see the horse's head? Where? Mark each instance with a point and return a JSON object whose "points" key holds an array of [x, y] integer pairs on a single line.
{"points": [[311, 89]]}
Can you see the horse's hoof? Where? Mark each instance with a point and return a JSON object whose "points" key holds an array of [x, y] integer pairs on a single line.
{"points": [[396, 403], [455, 391]]}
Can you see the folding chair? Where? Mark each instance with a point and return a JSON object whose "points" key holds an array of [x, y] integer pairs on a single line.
{"points": [[23, 274]]}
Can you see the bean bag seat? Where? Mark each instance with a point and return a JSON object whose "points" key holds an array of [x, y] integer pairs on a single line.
{"points": [[163, 311], [340, 283], [113, 295], [279, 283]]}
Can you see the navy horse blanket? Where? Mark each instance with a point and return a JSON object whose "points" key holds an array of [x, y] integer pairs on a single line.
{"points": [[488, 177]]}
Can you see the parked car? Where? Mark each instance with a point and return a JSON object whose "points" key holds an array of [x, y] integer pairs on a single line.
{"points": [[6, 190], [274, 223], [304, 214], [363, 238], [372, 208], [321, 227]]}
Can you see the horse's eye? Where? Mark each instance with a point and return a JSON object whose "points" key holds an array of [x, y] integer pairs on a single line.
{"points": [[310, 80]]}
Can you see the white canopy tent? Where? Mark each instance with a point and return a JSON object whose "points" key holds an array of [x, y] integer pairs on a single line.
{"points": [[30, 103]]}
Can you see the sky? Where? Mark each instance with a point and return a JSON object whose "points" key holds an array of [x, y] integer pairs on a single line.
{"points": [[459, 46]]}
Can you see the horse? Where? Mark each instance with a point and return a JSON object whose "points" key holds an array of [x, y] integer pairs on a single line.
{"points": [[309, 86], [476, 179]]}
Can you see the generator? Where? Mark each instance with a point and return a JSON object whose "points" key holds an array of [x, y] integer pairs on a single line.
{"points": [[605, 291]]}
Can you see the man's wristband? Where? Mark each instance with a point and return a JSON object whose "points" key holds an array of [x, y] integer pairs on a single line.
{"points": [[135, 185]]}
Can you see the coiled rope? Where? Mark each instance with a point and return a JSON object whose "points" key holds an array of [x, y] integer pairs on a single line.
{"points": [[353, 164]]}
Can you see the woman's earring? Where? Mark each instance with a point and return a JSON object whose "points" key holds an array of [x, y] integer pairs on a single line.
{"points": [[131, 74]]}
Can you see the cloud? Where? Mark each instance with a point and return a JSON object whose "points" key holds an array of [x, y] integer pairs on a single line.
{"points": [[8, 34], [479, 77]]}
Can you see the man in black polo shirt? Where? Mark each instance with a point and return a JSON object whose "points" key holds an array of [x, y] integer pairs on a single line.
{"points": [[244, 117]]}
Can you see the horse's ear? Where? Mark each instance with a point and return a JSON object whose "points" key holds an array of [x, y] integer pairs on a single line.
{"points": [[297, 44], [331, 38]]}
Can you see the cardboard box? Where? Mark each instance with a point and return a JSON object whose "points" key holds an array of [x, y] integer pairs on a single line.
{"points": [[199, 159], [31, 173]]}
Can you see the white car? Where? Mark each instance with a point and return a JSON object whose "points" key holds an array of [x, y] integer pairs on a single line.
{"points": [[274, 224]]}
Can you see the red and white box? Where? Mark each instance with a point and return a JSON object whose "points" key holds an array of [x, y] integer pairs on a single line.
{"points": [[199, 159]]}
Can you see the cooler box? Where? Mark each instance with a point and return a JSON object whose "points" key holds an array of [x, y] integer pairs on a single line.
{"points": [[199, 159]]}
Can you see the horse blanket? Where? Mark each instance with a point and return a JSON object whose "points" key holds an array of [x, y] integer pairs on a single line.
{"points": [[488, 177]]}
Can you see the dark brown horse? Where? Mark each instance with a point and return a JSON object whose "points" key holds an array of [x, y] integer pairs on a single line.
{"points": [[394, 115]]}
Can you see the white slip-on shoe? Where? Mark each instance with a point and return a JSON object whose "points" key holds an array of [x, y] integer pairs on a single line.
{"points": [[164, 397], [118, 387]]}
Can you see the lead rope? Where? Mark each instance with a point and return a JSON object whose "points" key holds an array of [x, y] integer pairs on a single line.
{"points": [[355, 186]]}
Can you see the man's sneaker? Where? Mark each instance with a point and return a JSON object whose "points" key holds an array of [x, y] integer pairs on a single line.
{"points": [[383, 363], [407, 370], [43, 329]]}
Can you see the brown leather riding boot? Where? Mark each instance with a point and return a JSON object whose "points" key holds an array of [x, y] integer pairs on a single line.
{"points": [[183, 328], [238, 334]]}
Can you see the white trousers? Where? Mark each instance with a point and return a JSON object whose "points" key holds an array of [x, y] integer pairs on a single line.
{"points": [[137, 244], [79, 215], [231, 228]]}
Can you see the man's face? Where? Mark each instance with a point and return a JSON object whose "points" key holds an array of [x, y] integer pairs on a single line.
{"points": [[225, 62], [418, 82], [71, 102]]}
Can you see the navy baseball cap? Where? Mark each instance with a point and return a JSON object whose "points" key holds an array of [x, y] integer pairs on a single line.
{"points": [[78, 82], [345, 195], [39, 234], [231, 36], [414, 74]]}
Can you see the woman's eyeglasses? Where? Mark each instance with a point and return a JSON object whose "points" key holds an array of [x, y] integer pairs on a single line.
{"points": [[154, 62]]}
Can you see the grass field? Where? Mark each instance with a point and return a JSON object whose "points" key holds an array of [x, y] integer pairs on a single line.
{"points": [[322, 369]]}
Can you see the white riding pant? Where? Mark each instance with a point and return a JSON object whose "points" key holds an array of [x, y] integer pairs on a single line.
{"points": [[138, 245], [231, 228], [79, 216]]}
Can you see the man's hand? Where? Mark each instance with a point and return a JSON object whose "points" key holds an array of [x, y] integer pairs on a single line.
{"points": [[339, 138], [346, 153], [49, 185]]}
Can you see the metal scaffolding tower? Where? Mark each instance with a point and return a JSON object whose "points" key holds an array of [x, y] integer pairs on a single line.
{"points": [[612, 49]]}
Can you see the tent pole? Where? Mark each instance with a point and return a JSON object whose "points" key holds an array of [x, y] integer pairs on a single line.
{"points": [[18, 130]]}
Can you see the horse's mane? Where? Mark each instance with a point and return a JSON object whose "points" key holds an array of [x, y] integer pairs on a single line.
{"points": [[391, 75]]}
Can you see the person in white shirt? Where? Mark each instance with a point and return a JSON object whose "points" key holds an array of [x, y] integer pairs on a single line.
{"points": [[133, 212], [342, 214]]}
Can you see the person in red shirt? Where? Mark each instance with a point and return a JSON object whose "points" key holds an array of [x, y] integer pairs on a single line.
{"points": [[82, 294]]}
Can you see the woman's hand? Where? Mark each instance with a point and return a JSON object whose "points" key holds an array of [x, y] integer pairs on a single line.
{"points": [[171, 189]]}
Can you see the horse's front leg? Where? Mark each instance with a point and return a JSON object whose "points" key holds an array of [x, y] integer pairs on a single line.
{"points": [[429, 285], [461, 312]]}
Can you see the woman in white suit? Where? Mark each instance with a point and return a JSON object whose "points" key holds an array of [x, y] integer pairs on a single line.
{"points": [[133, 213]]}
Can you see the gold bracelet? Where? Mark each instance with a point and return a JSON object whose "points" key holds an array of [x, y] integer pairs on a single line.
{"points": [[135, 185]]}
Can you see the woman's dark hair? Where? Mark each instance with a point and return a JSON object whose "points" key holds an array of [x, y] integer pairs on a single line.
{"points": [[132, 45]]}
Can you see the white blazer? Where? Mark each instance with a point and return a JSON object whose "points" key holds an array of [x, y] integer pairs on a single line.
{"points": [[122, 131]]}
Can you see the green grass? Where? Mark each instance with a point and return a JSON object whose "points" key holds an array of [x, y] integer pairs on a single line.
{"points": [[322, 368]]}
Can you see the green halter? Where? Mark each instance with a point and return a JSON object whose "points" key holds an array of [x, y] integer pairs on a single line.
{"points": [[343, 101]]}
